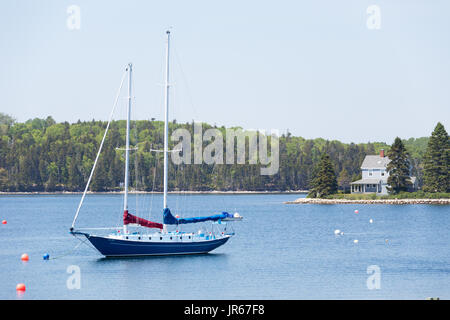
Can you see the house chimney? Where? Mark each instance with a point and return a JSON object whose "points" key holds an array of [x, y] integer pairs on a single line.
{"points": [[382, 153]]}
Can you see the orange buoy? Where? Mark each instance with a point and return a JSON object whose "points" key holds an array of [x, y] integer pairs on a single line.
{"points": [[24, 257], [21, 287], [4, 222]]}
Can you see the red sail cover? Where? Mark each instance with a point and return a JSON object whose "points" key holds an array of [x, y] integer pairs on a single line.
{"points": [[129, 218]]}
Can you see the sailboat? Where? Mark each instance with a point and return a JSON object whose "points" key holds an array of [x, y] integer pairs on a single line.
{"points": [[123, 241]]}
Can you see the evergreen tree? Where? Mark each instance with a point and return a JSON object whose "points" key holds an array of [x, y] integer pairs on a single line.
{"points": [[437, 162], [26, 171], [398, 168], [100, 177], [75, 180], [52, 172], [3, 179], [6, 122], [324, 182]]}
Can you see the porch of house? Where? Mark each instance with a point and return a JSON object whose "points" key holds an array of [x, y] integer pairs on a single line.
{"points": [[366, 186]]}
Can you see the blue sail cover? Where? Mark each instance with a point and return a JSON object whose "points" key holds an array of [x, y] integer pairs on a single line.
{"points": [[170, 219]]}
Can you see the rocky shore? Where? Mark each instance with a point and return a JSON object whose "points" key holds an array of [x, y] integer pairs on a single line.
{"points": [[376, 201]]}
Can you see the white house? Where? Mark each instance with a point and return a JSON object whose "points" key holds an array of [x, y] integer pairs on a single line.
{"points": [[374, 175]]}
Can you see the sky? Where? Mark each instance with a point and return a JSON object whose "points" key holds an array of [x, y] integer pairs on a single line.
{"points": [[331, 69]]}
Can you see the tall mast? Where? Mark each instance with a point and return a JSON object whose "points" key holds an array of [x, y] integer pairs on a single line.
{"points": [[166, 121], [127, 146]]}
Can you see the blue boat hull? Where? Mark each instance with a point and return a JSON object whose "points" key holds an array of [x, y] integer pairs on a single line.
{"points": [[123, 248]]}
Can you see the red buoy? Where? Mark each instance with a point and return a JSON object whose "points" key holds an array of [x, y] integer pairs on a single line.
{"points": [[24, 257], [4, 222], [21, 287]]}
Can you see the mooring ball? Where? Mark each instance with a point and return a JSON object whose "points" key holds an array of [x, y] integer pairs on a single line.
{"points": [[24, 257], [355, 241], [4, 222], [356, 211], [46, 256], [337, 231], [20, 287], [236, 215]]}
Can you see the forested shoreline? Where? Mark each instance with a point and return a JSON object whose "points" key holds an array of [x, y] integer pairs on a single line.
{"points": [[42, 155]]}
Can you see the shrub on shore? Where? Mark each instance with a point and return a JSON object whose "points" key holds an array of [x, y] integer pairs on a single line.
{"points": [[402, 195]]}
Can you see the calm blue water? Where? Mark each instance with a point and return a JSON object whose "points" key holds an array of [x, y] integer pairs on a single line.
{"points": [[280, 251]]}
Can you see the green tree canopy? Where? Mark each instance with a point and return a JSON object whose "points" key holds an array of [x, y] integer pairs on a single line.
{"points": [[398, 168], [40, 154], [344, 179], [6, 119], [324, 182], [5, 122]]}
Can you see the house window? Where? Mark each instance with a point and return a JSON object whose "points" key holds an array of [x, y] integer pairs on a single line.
{"points": [[382, 173], [370, 172]]}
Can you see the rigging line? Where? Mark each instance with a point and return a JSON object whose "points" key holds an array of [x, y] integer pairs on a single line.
{"points": [[89, 244], [70, 251], [153, 186], [184, 187], [136, 174], [100, 149], [177, 201]]}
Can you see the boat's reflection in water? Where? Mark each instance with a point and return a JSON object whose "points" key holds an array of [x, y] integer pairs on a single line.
{"points": [[177, 258]]}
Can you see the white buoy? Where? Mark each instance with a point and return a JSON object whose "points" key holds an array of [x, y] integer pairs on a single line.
{"points": [[342, 233], [370, 221], [337, 232], [355, 241]]}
